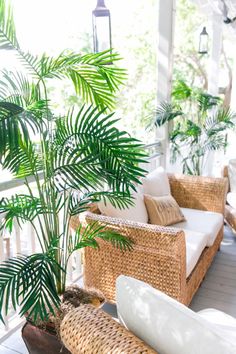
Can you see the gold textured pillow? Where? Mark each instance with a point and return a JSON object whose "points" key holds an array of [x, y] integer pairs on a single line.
{"points": [[163, 210]]}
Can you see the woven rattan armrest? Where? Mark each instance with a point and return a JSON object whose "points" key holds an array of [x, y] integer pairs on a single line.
{"points": [[158, 257], [202, 193], [92, 331], [155, 237]]}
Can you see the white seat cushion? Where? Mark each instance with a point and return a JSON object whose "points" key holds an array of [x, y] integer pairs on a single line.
{"points": [[231, 199], [166, 325], [207, 222], [223, 324], [136, 212], [195, 244], [156, 183]]}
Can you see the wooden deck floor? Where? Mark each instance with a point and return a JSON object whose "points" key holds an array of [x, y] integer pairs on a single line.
{"points": [[218, 290]]}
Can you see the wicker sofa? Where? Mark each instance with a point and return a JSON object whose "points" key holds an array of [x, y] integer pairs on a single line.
{"points": [[159, 253]]}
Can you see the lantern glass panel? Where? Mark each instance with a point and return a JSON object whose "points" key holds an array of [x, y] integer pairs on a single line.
{"points": [[101, 33], [203, 48], [203, 42]]}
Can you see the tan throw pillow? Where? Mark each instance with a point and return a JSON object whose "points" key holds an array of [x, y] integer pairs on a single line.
{"points": [[163, 210]]}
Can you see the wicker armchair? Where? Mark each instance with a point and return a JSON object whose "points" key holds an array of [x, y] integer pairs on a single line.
{"points": [[159, 254], [230, 212], [92, 331]]}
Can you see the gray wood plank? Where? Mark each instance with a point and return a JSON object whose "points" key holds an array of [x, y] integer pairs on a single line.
{"points": [[218, 290], [220, 280], [221, 273], [15, 342], [4, 350], [221, 268], [215, 295]]}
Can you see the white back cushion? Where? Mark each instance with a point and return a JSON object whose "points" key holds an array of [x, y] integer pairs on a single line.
{"points": [[156, 183], [166, 325], [232, 175], [136, 212], [231, 199]]}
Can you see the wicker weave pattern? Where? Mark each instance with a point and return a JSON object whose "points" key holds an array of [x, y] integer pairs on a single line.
{"points": [[159, 254], [230, 217], [158, 258], [202, 193], [87, 330]]}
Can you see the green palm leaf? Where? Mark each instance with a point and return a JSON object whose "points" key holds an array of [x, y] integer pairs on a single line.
{"points": [[23, 161], [207, 101], [30, 283], [87, 237], [80, 204], [15, 124], [8, 38], [22, 207], [93, 78], [90, 151], [166, 112], [16, 88]]}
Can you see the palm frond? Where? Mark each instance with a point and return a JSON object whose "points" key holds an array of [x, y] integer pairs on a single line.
{"points": [[214, 143], [226, 116], [87, 237], [207, 101], [181, 91], [16, 88], [30, 283], [94, 80], [22, 207], [15, 124], [165, 112], [23, 161], [90, 151], [80, 204], [192, 129], [8, 38]]}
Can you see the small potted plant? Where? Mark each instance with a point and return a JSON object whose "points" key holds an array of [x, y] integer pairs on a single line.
{"points": [[69, 158]]}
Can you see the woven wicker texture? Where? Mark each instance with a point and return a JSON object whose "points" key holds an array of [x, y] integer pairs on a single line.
{"points": [[225, 172], [87, 330], [158, 258], [230, 217], [202, 193], [159, 254]]}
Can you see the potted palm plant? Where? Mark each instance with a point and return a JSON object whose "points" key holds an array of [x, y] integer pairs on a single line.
{"points": [[200, 126], [70, 158]]}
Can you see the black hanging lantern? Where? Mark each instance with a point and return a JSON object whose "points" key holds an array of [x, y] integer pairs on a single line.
{"points": [[101, 27], [203, 42]]}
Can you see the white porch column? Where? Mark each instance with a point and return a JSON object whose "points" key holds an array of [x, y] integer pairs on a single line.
{"points": [[214, 62], [213, 79], [166, 20]]}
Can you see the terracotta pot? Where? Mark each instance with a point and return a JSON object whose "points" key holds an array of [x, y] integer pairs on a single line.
{"points": [[39, 341]]}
